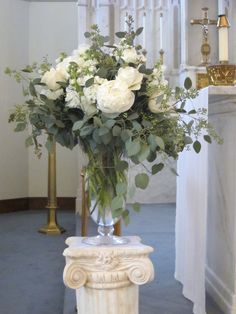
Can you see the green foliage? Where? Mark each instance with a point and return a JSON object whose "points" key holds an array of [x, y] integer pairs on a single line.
{"points": [[141, 180], [197, 146]]}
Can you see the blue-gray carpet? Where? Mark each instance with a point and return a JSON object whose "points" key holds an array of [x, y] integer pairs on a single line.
{"points": [[31, 264]]}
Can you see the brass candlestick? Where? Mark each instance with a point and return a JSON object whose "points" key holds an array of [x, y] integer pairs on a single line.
{"points": [[223, 74], [52, 227], [161, 52]]}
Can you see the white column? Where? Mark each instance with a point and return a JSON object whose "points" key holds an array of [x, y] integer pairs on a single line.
{"points": [[106, 278]]}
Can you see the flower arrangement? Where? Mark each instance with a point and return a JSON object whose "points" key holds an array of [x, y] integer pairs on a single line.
{"points": [[104, 97]]}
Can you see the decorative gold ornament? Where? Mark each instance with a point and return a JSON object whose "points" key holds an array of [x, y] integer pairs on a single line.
{"points": [[52, 227], [202, 80], [222, 74], [205, 47]]}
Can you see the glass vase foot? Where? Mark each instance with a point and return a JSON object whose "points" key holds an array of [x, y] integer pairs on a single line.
{"points": [[105, 240]]}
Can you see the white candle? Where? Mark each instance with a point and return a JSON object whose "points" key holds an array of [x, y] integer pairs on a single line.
{"points": [[223, 44], [221, 7], [161, 31]]}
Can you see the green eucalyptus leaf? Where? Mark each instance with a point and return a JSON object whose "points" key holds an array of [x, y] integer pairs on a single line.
{"points": [[144, 152], [193, 111], [103, 131], [139, 31], [197, 146], [20, 127], [106, 138], [117, 202], [125, 135], [160, 142], [87, 35], [121, 188], [37, 81], [29, 141], [120, 34], [142, 68], [96, 136], [78, 125], [141, 180], [208, 139], [137, 126], [116, 131], [86, 130], [32, 90], [157, 168], [102, 72], [117, 213], [89, 82], [152, 142], [133, 116], [188, 140], [187, 83], [132, 148], [152, 156], [125, 216]]}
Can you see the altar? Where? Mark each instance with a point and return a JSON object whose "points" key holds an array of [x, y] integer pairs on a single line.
{"points": [[206, 218]]}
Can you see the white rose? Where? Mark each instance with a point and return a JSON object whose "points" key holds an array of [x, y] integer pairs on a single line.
{"points": [[130, 55], [155, 103], [52, 95], [50, 78], [114, 97], [131, 76]]}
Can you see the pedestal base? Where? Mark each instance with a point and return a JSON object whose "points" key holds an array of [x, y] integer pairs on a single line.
{"points": [[106, 278]]}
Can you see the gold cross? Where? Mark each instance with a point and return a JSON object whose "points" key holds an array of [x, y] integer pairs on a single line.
{"points": [[204, 22]]}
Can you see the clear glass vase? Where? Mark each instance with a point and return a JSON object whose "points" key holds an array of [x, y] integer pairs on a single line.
{"points": [[105, 223], [101, 179]]}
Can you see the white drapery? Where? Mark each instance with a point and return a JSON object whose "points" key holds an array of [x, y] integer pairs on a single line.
{"points": [[191, 219]]}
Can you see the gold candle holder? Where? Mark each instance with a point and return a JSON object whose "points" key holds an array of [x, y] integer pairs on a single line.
{"points": [[52, 227]]}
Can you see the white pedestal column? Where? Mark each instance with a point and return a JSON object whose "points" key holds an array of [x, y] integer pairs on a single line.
{"points": [[106, 278]]}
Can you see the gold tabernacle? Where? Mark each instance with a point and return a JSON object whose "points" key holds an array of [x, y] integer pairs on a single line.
{"points": [[222, 74]]}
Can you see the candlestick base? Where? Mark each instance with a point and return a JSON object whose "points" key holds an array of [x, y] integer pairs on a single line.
{"points": [[222, 74]]}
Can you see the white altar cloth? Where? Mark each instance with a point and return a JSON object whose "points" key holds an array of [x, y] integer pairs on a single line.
{"points": [[191, 218], [205, 213]]}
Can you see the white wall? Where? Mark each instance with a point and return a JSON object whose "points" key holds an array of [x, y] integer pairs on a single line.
{"points": [[13, 53], [52, 29]]}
